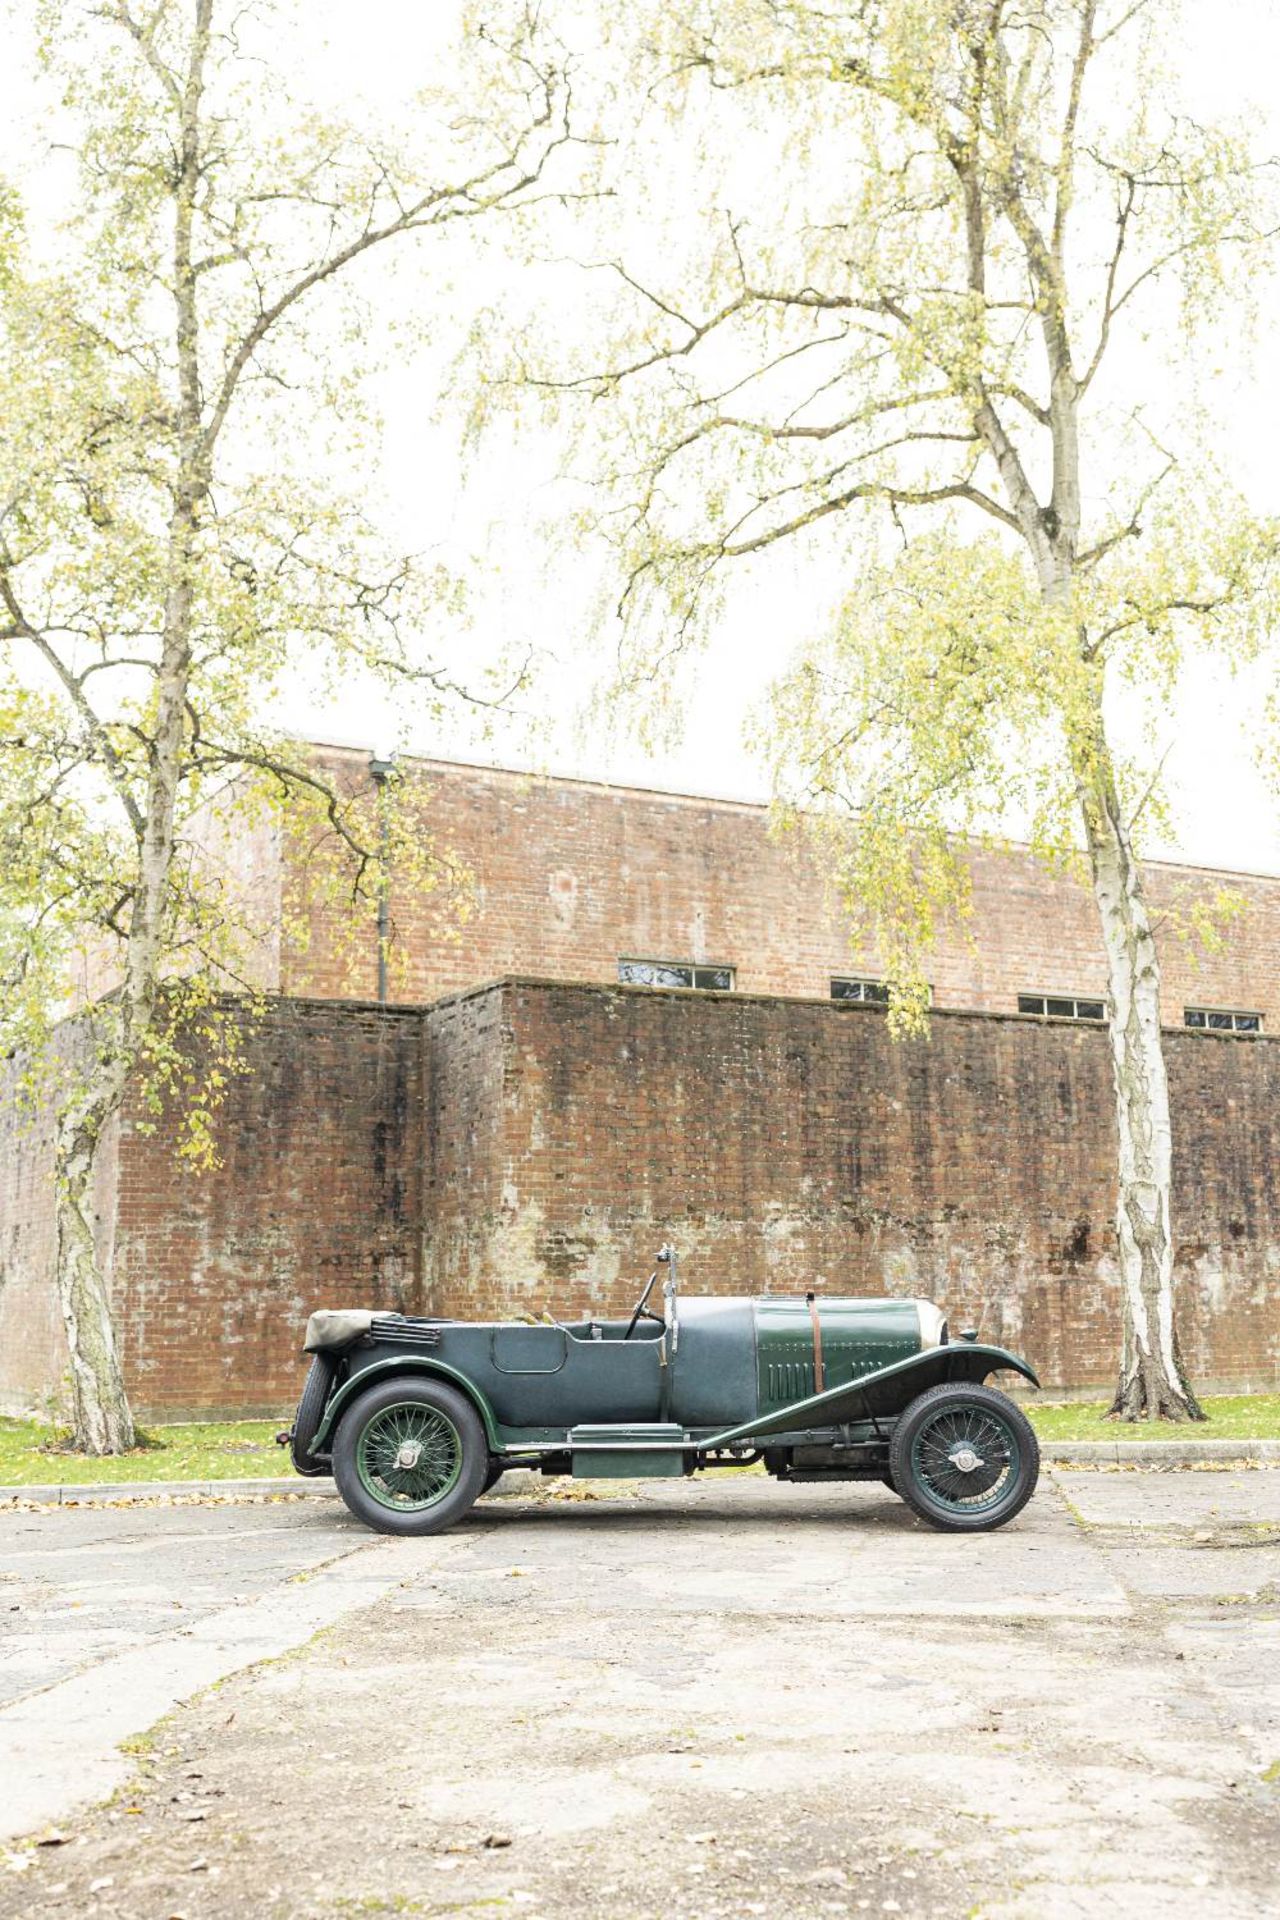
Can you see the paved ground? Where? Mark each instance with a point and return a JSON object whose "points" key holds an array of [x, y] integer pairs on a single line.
{"points": [[700, 1700]]}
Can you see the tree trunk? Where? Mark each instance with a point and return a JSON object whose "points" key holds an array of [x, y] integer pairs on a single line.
{"points": [[101, 1418], [1151, 1383]]}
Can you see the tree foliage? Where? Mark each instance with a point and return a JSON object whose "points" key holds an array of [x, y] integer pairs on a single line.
{"points": [[183, 531], [928, 312]]}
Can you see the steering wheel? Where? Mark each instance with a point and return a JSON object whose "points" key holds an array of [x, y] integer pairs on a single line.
{"points": [[642, 1308]]}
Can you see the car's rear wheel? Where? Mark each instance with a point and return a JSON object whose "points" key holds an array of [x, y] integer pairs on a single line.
{"points": [[965, 1458], [410, 1456], [493, 1474], [315, 1394]]}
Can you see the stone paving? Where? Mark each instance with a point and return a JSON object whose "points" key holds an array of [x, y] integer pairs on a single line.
{"points": [[703, 1699]]}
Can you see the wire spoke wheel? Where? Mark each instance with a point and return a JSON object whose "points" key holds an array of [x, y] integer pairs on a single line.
{"points": [[965, 1457], [409, 1456]]}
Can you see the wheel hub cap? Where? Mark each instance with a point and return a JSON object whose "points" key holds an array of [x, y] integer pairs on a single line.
{"points": [[965, 1460], [409, 1455]]}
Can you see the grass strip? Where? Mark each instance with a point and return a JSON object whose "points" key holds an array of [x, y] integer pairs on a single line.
{"points": [[33, 1453], [1241, 1416]]}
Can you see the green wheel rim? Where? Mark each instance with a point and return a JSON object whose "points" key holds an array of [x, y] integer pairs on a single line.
{"points": [[409, 1456], [965, 1459]]}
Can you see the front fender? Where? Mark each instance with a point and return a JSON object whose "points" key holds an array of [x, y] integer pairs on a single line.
{"points": [[383, 1370], [885, 1393]]}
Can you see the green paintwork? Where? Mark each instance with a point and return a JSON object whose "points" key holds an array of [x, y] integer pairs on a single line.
{"points": [[858, 1337], [643, 1452], [724, 1373], [382, 1367], [883, 1394]]}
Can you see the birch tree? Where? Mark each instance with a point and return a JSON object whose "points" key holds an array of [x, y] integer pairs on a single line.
{"points": [[173, 547], [948, 271]]}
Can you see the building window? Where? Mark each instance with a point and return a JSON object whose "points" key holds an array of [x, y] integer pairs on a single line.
{"points": [[1061, 1006], [675, 973], [873, 990], [1220, 1020]]}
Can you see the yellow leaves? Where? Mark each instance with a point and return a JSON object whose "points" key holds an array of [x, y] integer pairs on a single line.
{"points": [[1202, 922], [932, 713]]}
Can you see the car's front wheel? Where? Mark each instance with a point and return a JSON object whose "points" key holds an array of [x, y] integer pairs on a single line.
{"points": [[965, 1458], [410, 1456]]}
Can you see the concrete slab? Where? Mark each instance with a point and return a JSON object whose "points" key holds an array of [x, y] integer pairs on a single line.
{"points": [[770, 1550], [75, 1589], [60, 1744], [704, 1701], [1188, 1501]]}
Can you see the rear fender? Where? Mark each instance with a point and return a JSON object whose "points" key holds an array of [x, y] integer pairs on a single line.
{"points": [[886, 1393], [399, 1363]]}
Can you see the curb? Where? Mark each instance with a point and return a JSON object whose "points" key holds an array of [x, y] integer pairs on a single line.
{"points": [[514, 1485], [89, 1494], [1159, 1453], [519, 1482]]}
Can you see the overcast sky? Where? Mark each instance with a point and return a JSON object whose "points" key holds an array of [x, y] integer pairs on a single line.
{"points": [[379, 51]]}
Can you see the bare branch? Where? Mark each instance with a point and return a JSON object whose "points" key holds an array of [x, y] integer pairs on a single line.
{"points": [[503, 183], [95, 731]]}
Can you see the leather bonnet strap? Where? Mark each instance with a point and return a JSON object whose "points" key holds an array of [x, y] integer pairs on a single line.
{"points": [[819, 1372]]}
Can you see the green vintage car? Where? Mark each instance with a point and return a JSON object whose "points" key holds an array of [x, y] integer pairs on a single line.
{"points": [[415, 1418]]}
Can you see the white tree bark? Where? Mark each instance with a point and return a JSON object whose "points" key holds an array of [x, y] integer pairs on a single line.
{"points": [[1151, 1382], [102, 1421]]}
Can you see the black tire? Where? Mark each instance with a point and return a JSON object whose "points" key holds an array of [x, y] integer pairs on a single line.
{"points": [[315, 1395], [439, 1485], [951, 1420], [495, 1472]]}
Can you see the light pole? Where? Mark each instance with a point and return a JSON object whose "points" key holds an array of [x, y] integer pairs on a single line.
{"points": [[380, 771]]}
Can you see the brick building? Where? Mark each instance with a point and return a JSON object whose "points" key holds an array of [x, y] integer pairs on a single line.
{"points": [[523, 1125], [572, 878]]}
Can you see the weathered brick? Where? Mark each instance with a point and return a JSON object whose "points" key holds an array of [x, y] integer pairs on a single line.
{"points": [[530, 1144], [571, 876]]}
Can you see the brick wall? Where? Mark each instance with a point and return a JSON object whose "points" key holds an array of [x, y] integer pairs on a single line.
{"points": [[571, 876], [531, 1144], [789, 1144], [468, 1086], [317, 1200]]}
